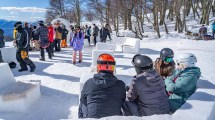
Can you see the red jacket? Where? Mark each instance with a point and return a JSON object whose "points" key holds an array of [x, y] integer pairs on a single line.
{"points": [[51, 34]]}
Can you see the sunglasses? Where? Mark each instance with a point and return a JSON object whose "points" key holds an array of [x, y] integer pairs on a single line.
{"points": [[168, 60]]}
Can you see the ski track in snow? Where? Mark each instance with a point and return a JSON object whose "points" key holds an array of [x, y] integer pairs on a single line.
{"points": [[60, 79]]}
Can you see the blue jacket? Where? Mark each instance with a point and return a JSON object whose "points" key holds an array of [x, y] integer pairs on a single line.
{"points": [[213, 26], [181, 85]]}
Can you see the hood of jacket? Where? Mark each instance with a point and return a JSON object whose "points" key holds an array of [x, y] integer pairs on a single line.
{"points": [[150, 78], [104, 80], [192, 71]]}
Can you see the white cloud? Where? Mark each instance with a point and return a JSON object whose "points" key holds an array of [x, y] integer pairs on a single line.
{"points": [[24, 9]]}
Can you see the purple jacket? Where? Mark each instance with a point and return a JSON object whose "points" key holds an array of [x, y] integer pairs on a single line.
{"points": [[77, 41]]}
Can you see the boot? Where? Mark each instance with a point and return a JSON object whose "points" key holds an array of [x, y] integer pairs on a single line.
{"points": [[21, 70], [33, 69], [42, 59]]}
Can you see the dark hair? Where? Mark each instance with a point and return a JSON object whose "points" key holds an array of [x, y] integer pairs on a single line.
{"points": [[80, 33], [35, 27]]}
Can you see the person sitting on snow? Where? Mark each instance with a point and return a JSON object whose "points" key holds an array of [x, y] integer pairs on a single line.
{"points": [[182, 84], [202, 32], [103, 95], [165, 64], [146, 94]]}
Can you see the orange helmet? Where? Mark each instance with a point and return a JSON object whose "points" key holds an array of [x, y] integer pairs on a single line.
{"points": [[105, 63]]}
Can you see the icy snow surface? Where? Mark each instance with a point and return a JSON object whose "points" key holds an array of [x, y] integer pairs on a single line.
{"points": [[60, 79]]}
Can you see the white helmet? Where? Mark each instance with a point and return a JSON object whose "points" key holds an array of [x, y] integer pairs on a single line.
{"points": [[186, 58]]}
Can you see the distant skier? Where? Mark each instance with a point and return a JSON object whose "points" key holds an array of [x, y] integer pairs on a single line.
{"points": [[104, 33], [213, 29], [165, 64], [102, 95], [95, 33], [22, 43], [64, 37], [2, 43], [182, 84], [146, 94], [77, 44], [51, 38], [58, 36], [202, 32], [88, 34], [43, 33]]}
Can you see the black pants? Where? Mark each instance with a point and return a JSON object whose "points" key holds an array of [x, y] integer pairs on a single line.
{"points": [[42, 52], [213, 33], [95, 40], [109, 36], [1, 60], [57, 44], [24, 62], [88, 38], [51, 47]]}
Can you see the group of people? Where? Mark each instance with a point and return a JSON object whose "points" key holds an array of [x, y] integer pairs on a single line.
{"points": [[159, 87], [103, 33]]}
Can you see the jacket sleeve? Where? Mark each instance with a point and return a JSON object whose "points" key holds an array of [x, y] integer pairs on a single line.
{"points": [[132, 92], [84, 91], [181, 82]]}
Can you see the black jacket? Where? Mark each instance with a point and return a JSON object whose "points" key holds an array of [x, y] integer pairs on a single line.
{"points": [[64, 34], [104, 33], [148, 91], [103, 95], [34, 35], [43, 32], [22, 39]]}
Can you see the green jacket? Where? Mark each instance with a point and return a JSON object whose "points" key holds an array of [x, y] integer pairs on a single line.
{"points": [[182, 84]]}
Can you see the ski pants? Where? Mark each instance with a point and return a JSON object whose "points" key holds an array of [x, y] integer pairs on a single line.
{"points": [[0, 56], [95, 41], [57, 44], [26, 61], [42, 52]]}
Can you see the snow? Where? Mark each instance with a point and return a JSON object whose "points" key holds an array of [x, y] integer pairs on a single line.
{"points": [[9, 54], [60, 79]]}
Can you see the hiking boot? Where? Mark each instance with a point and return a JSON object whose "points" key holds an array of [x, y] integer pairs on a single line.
{"points": [[80, 61], [32, 69], [73, 63], [21, 70], [42, 59]]}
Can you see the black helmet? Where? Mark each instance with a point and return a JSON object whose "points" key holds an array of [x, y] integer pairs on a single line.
{"points": [[142, 62], [12, 64], [166, 53], [41, 22], [18, 24]]}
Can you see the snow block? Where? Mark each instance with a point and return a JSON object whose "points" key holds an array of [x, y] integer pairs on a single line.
{"points": [[18, 97], [200, 106], [104, 46], [6, 77], [8, 54], [86, 43], [127, 45], [97, 53]]}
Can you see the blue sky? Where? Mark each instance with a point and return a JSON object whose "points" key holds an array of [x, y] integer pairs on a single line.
{"points": [[24, 10]]}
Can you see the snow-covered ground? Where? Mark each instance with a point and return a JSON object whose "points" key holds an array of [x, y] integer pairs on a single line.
{"points": [[60, 79]]}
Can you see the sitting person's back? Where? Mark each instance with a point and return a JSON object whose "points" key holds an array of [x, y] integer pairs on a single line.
{"points": [[147, 89], [182, 84], [102, 95]]}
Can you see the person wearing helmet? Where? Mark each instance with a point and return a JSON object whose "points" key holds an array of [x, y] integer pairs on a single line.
{"points": [[103, 95], [22, 43], [146, 94], [182, 84], [43, 33], [165, 65]]}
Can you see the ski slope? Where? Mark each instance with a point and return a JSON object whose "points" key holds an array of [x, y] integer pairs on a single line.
{"points": [[60, 79]]}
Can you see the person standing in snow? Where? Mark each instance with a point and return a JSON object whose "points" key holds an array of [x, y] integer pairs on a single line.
{"points": [[35, 38], [182, 84], [22, 43], [104, 33], [103, 95], [88, 34], [51, 38], [43, 33], [165, 65], [213, 29], [77, 44], [95, 33], [64, 37], [58, 36], [2, 43], [146, 94], [202, 32]]}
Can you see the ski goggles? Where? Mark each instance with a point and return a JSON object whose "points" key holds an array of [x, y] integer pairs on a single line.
{"points": [[168, 60]]}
